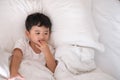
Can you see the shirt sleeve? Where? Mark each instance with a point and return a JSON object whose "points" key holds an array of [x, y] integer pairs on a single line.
{"points": [[20, 44]]}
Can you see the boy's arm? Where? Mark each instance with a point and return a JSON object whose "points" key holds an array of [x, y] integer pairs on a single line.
{"points": [[15, 62], [50, 61]]}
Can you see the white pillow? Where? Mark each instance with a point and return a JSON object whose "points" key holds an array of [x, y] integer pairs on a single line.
{"points": [[72, 22], [12, 19]]}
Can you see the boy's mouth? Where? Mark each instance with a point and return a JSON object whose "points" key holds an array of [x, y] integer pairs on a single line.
{"points": [[40, 40]]}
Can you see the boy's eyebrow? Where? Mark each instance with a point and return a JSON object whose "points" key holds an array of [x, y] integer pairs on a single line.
{"points": [[37, 30], [46, 30], [40, 31]]}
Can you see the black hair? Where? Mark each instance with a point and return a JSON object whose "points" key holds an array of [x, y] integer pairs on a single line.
{"points": [[37, 19]]}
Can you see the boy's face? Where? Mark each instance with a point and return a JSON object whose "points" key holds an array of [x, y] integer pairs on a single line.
{"points": [[37, 34]]}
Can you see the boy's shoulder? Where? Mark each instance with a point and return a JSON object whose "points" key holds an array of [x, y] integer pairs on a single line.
{"points": [[22, 41]]}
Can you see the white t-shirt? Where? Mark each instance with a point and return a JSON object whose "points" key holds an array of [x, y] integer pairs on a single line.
{"points": [[28, 53]]}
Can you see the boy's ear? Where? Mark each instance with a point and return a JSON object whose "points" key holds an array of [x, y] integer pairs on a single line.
{"points": [[27, 33]]}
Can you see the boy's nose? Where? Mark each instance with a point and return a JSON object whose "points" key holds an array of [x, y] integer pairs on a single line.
{"points": [[41, 37]]}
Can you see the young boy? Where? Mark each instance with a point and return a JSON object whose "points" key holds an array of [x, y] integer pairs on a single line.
{"points": [[35, 47]]}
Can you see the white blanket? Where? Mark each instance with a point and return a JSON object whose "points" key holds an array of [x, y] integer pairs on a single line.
{"points": [[76, 59], [30, 70], [77, 63], [34, 71], [63, 74]]}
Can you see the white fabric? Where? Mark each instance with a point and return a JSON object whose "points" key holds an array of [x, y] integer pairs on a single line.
{"points": [[67, 15], [4, 63], [76, 59], [77, 63], [77, 14], [32, 62], [12, 23], [62, 73], [32, 70], [107, 18], [72, 22], [28, 53], [12, 20]]}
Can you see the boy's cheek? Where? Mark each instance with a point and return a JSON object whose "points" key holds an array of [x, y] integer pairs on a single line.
{"points": [[38, 42]]}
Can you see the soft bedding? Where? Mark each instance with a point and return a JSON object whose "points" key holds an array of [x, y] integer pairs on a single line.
{"points": [[29, 69], [76, 59], [63, 74], [4, 63], [73, 34], [77, 63], [36, 71]]}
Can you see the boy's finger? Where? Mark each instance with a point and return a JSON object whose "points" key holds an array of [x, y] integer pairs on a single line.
{"points": [[39, 43], [38, 47], [44, 43]]}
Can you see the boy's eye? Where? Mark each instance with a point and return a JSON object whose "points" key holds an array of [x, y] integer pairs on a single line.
{"points": [[37, 33], [45, 33]]}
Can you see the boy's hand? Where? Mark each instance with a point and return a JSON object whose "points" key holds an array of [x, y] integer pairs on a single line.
{"points": [[43, 46], [15, 74], [17, 78]]}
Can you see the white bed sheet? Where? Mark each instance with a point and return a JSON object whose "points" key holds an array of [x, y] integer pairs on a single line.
{"points": [[108, 60], [106, 15], [36, 71]]}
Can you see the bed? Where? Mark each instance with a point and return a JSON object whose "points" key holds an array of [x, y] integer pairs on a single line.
{"points": [[80, 35]]}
